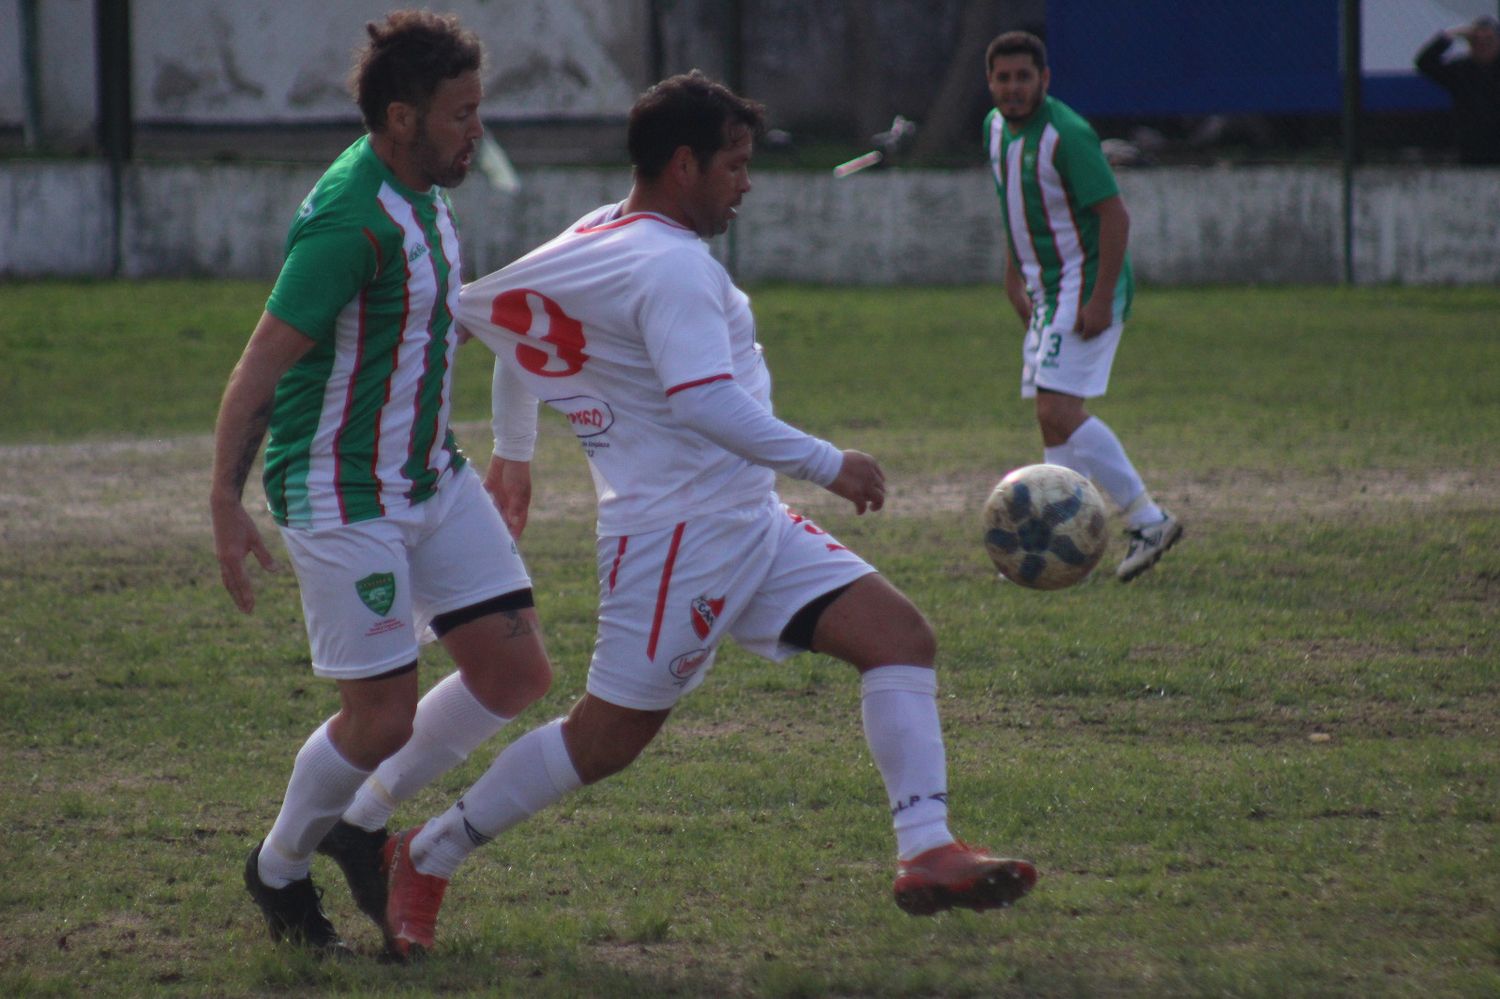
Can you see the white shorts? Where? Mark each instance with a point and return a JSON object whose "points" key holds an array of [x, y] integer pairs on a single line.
{"points": [[369, 589], [1054, 357], [668, 598]]}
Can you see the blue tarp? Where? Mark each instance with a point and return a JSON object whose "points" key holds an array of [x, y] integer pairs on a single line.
{"points": [[1164, 57]]}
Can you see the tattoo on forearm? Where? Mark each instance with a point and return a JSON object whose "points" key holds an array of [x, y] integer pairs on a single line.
{"points": [[255, 432]]}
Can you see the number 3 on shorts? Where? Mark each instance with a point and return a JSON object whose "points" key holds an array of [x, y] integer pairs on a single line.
{"points": [[1054, 348]]}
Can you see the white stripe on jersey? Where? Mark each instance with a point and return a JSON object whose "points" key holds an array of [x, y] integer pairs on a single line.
{"points": [[1015, 214], [448, 233], [997, 129], [1066, 238]]}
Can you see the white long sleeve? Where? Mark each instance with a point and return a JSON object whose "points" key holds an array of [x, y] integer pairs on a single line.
{"points": [[729, 416], [512, 415]]}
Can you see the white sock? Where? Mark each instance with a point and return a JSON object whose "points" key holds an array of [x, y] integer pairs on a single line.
{"points": [[1097, 447], [449, 724], [320, 788], [1062, 454], [530, 774], [899, 706]]}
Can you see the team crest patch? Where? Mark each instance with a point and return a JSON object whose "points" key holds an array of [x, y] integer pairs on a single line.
{"points": [[705, 613], [377, 591]]}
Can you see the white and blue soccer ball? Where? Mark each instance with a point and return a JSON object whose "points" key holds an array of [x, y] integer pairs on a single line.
{"points": [[1045, 527]]}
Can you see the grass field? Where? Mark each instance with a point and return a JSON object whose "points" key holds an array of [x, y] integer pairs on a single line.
{"points": [[1269, 767]]}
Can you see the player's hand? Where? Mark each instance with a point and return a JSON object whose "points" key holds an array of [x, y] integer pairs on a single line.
{"points": [[860, 481], [509, 486], [235, 536], [1096, 316]]}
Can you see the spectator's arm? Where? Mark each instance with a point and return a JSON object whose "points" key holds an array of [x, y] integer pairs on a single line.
{"points": [[1430, 60]]}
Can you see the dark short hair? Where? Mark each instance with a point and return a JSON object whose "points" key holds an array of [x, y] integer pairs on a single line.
{"points": [[1016, 43], [686, 110], [406, 58]]}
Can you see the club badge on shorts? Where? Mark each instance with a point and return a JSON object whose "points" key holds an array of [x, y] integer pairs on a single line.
{"points": [[705, 613], [377, 591]]}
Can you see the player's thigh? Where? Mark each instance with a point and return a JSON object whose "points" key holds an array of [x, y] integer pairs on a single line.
{"points": [[463, 554], [500, 652], [1067, 363], [666, 600], [355, 585], [809, 562]]}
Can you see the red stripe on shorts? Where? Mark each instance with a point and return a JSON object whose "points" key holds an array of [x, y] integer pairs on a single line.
{"points": [[661, 594]]}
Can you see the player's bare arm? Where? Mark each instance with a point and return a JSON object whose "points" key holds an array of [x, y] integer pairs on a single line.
{"points": [[860, 481], [244, 414], [509, 484], [1097, 314]]}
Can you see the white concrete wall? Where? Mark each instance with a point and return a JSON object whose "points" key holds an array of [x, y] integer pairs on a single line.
{"points": [[55, 219], [1234, 225]]}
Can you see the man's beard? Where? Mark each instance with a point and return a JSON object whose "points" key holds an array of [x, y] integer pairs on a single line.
{"points": [[443, 173]]}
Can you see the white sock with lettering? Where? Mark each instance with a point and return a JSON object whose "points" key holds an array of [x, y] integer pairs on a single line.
{"points": [[1097, 447], [899, 708], [449, 724], [320, 788], [528, 775]]}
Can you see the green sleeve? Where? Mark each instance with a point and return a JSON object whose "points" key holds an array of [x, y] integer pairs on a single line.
{"points": [[326, 267], [1081, 162]]}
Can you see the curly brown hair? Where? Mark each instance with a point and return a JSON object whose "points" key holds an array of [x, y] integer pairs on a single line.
{"points": [[406, 58]]}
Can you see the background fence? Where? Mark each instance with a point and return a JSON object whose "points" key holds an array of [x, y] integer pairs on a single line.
{"points": [[145, 86]]}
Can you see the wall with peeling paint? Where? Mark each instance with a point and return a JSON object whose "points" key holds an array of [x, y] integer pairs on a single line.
{"points": [[1232, 225], [254, 64]]}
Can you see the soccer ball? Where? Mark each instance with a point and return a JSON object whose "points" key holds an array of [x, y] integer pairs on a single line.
{"points": [[1044, 526]]}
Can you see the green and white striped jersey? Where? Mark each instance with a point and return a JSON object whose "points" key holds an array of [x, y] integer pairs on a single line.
{"points": [[1047, 174], [360, 424]]}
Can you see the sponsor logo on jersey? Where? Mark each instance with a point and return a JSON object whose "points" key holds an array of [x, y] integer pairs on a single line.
{"points": [[705, 612], [377, 591], [417, 252], [685, 665], [589, 417]]}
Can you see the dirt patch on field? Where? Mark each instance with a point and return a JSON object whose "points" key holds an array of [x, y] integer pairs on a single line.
{"points": [[154, 491]]}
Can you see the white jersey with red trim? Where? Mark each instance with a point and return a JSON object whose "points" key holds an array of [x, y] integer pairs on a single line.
{"points": [[604, 324]]}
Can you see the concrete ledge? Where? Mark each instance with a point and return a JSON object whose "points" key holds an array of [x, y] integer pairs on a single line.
{"points": [[1273, 224]]}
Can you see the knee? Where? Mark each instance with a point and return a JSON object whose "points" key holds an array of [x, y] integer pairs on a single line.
{"points": [[906, 640], [921, 641], [529, 681], [508, 688]]}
